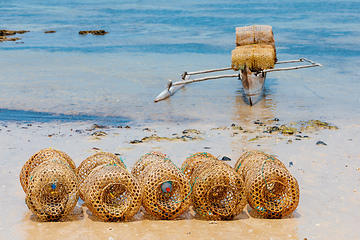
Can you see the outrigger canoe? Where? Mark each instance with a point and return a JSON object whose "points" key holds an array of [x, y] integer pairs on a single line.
{"points": [[252, 82]]}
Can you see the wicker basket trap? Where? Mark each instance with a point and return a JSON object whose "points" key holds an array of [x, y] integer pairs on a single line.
{"points": [[92, 162], [270, 188], [218, 192], [146, 160], [255, 48], [193, 161], [254, 34], [256, 56], [272, 191], [247, 160], [52, 190], [40, 157], [112, 193], [166, 190]]}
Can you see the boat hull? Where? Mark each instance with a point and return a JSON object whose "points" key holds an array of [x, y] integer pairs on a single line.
{"points": [[253, 85]]}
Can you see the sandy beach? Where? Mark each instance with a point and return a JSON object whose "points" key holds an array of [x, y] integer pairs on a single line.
{"points": [[85, 93], [328, 176]]}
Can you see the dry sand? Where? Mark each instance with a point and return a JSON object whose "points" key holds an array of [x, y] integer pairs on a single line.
{"points": [[328, 176]]}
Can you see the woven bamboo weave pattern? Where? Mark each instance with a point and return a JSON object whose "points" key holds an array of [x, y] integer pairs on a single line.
{"points": [[246, 161], [52, 191], [272, 191], [254, 34], [92, 162], [218, 191], [193, 161], [112, 193], [256, 56], [166, 190], [40, 157], [270, 188], [145, 160]]}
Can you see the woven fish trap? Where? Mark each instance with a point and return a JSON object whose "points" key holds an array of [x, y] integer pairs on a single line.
{"points": [[194, 161], [271, 190], [145, 160], [247, 160], [112, 193], [218, 192], [52, 191], [40, 157], [254, 34], [256, 56], [166, 190], [201, 167], [92, 162]]}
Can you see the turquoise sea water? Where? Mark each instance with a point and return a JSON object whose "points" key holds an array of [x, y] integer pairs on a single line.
{"points": [[114, 78]]}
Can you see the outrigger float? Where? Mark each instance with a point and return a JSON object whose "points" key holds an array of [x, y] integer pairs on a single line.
{"points": [[254, 57]]}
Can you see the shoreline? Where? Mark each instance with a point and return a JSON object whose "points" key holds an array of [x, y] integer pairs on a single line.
{"points": [[328, 177]]}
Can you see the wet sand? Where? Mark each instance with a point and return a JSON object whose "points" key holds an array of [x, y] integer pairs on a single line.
{"points": [[328, 176]]}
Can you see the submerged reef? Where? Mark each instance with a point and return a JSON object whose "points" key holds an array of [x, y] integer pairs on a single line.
{"points": [[4, 33], [94, 32]]}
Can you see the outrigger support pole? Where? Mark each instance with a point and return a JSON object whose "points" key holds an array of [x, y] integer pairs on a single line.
{"points": [[312, 64], [199, 79], [171, 87], [207, 71]]}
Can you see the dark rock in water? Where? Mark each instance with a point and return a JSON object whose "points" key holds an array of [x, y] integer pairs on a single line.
{"points": [[96, 126], [135, 141], [258, 122], [4, 32], [287, 130], [51, 31], [237, 127], [276, 119], [94, 32], [99, 134], [225, 158], [191, 131], [321, 143], [207, 147], [233, 125], [184, 137], [275, 128], [153, 137], [5, 39]]}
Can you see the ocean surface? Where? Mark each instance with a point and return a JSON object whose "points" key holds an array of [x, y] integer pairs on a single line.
{"points": [[114, 78]]}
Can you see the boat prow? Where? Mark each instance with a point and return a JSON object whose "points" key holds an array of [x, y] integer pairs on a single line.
{"points": [[253, 85]]}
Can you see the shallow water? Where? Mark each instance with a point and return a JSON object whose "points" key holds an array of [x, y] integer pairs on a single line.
{"points": [[113, 79], [149, 42]]}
